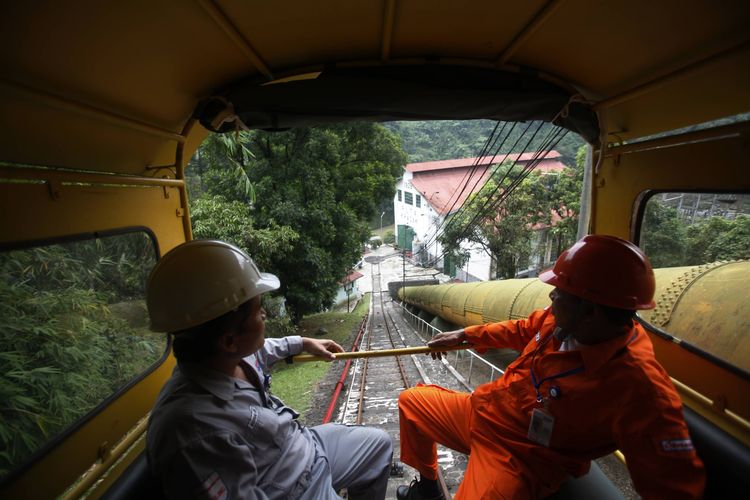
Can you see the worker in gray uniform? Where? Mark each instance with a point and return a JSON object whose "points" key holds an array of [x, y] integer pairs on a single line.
{"points": [[216, 431]]}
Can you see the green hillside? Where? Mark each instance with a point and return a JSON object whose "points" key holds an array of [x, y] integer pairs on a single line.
{"points": [[447, 139]]}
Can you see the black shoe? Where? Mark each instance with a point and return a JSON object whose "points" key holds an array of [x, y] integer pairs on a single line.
{"points": [[412, 492]]}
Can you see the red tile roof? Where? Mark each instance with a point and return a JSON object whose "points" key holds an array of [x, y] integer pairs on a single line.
{"points": [[468, 162], [441, 183], [352, 276]]}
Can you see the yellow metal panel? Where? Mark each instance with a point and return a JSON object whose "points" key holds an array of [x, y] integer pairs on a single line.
{"points": [[711, 311], [725, 390], [645, 38], [456, 298], [40, 211], [500, 305], [684, 101], [109, 147], [81, 449], [624, 178], [318, 27], [113, 474], [153, 61], [149, 61], [84, 209], [492, 25]]}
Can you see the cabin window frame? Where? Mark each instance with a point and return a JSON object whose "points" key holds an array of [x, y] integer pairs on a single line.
{"points": [[673, 337], [73, 426]]}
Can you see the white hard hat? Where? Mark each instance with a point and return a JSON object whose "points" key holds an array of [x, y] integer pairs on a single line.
{"points": [[201, 280]]}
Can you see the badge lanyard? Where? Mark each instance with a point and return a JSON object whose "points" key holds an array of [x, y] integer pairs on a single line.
{"points": [[538, 383]]}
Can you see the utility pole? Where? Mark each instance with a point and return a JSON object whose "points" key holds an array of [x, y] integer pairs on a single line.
{"points": [[403, 281], [348, 289]]}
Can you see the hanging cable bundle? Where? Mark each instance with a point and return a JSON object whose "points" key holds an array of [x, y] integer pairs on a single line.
{"points": [[492, 155]]}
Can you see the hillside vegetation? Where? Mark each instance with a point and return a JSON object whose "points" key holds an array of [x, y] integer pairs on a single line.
{"points": [[448, 139]]}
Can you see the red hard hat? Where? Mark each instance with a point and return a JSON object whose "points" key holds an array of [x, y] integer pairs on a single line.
{"points": [[606, 270]]}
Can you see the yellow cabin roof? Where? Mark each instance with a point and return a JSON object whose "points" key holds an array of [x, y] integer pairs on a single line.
{"points": [[111, 86]]}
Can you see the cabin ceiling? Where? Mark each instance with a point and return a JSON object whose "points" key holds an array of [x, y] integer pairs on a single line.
{"points": [[111, 86]]}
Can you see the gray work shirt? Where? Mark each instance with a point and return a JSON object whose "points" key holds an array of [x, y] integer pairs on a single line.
{"points": [[215, 436]]}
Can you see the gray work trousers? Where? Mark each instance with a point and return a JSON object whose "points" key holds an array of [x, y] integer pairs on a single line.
{"points": [[353, 457]]}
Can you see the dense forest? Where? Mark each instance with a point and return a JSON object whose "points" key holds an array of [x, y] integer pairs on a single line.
{"points": [[298, 201], [673, 237], [448, 139]]}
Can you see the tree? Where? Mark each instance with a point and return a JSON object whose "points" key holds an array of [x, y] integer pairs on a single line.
{"points": [[664, 235], [219, 168], [564, 194], [717, 238], [735, 243], [324, 183], [213, 217], [501, 222], [314, 191], [446, 139], [670, 240]]}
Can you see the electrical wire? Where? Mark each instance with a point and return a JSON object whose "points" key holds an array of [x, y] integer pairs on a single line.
{"points": [[493, 203], [446, 221]]}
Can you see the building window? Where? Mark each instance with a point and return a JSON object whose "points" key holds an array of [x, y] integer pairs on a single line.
{"points": [[419, 201], [408, 198], [74, 331], [399, 195]]}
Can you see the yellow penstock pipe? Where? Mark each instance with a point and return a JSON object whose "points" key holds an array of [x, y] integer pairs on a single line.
{"points": [[382, 353]]}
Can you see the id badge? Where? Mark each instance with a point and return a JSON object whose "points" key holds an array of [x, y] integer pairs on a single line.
{"points": [[540, 427]]}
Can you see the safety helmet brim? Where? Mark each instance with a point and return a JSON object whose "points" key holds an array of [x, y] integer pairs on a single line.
{"points": [[548, 277], [267, 283]]}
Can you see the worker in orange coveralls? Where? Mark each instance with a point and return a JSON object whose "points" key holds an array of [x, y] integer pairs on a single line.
{"points": [[585, 384]]}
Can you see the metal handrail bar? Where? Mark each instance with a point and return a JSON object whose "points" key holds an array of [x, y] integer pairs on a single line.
{"points": [[420, 323]]}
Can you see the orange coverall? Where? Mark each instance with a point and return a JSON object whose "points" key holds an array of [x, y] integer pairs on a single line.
{"points": [[617, 397]]}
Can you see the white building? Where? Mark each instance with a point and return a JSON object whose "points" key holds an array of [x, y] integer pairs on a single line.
{"points": [[430, 191]]}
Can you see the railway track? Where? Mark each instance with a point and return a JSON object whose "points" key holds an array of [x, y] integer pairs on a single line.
{"points": [[375, 384]]}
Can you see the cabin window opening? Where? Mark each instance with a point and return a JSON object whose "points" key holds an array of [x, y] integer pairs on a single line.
{"points": [[699, 246], [408, 198], [399, 195], [74, 332], [418, 201]]}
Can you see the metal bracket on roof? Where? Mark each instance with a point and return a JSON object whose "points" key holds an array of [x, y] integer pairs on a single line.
{"points": [[55, 189]]}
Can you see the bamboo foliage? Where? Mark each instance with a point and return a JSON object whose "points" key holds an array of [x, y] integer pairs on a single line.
{"points": [[73, 331]]}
